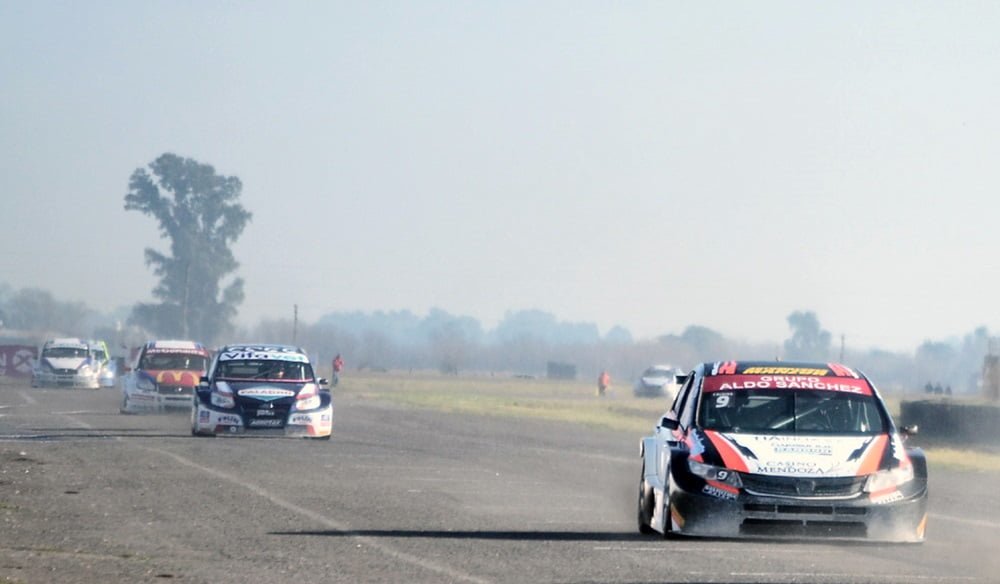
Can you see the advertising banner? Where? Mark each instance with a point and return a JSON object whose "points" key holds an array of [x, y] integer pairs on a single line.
{"points": [[16, 360]]}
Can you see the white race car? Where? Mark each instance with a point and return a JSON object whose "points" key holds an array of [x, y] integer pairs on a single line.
{"points": [[65, 362], [163, 376], [262, 389]]}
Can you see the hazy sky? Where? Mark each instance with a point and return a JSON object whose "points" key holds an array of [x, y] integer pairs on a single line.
{"points": [[653, 165]]}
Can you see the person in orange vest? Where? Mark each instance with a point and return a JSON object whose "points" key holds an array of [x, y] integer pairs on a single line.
{"points": [[603, 382], [338, 365]]}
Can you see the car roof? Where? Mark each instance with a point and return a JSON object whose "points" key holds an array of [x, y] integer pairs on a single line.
{"points": [[176, 346], [815, 369], [71, 342]]}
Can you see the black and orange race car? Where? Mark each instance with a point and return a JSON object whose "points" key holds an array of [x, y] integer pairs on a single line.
{"points": [[781, 450]]}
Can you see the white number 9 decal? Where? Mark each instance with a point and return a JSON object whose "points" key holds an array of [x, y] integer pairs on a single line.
{"points": [[722, 400]]}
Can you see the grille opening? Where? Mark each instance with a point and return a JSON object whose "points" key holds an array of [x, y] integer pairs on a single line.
{"points": [[804, 509], [797, 528]]}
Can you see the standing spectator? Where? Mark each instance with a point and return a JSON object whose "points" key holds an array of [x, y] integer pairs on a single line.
{"points": [[603, 382], [338, 366]]}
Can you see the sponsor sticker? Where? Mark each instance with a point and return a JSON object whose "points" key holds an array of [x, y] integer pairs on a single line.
{"points": [[304, 419], [267, 422], [738, 382], [228, 420], [265, 393], [718, 493], [204, 415], [262, 354]]}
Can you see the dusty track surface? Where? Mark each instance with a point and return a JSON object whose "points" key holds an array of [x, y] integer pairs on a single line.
{"points": [[89, 495]]}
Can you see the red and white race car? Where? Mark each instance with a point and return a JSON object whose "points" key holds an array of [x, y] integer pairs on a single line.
{"points": [[781, 450], [163, 375]]}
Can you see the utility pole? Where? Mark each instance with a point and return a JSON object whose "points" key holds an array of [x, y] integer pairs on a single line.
{"points": [[295, 324]]}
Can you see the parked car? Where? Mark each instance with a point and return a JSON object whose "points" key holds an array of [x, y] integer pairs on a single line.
{"points": [[781, 450], [659, 381], [262, 389], [65, 362], [163, 376]]}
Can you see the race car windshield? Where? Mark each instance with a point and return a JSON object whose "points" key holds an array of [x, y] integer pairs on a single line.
{"points": [[162, 361], [63, 352], [780, 411], [657, 373], [262, 369]]}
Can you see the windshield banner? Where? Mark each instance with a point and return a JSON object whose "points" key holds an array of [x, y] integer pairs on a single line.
{"points": [[738, 382]]}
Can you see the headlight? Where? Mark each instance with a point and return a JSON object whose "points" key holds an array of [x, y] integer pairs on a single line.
{"points": [[885, 480], [308, 398], [145, 384], [222, 396], [83, 369], [714, 473]]}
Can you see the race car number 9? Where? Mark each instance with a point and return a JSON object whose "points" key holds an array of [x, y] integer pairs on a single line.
{"points": [[722, 400]]}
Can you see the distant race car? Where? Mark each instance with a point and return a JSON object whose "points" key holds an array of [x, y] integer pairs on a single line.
{"points": [[65, 362], [270, 389], [106, 368], [659, 381], [781, 450], [163, 375]]}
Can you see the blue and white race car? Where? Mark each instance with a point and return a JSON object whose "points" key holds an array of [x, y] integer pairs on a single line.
{"points": [[269, 389]]}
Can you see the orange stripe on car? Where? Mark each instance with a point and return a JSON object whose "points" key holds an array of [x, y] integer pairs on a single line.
{"points": [[730, 458], [873, 458]]}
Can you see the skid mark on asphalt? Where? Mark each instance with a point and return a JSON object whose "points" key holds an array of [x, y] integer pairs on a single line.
{"points": [[444, 570]]}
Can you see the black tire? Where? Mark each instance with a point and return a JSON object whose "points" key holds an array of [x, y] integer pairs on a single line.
{"points": [[643, 504]]}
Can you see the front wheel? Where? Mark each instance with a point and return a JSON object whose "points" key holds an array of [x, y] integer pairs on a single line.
{"points": [[644, 504]]}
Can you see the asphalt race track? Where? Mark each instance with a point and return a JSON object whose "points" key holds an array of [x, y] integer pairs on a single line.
{"points": [[398, 495]]}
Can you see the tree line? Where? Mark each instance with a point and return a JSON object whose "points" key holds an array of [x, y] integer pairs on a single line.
{"points": [[198, 295]]}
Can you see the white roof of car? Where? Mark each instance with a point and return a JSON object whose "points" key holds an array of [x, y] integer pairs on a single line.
{"points": [[175, 345], [67, 342]]}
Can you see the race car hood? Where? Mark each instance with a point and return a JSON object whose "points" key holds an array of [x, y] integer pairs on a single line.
{"points": [[799, 455], [177, 377], [65, 362]]}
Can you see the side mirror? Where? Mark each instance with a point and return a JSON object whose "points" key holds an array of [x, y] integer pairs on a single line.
{"points": [[668, 423], [203, 381], [323, 381], [911, 430]]}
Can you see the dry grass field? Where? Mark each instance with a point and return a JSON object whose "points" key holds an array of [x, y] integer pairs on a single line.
{"points": [[565, 401]]}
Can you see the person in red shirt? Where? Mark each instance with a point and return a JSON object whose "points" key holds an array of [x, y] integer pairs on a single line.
{"points": [[338, 365], [603, 382]]}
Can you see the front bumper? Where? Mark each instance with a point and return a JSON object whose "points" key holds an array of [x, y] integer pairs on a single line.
{"points": [[154, 401], [719, 513], [53, 379], [208, 420]]}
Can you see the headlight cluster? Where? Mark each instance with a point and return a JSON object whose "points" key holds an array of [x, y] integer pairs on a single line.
{"points": [[308, 398], [885, 480], [222, 396], [715, 473], [145, 384]]}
